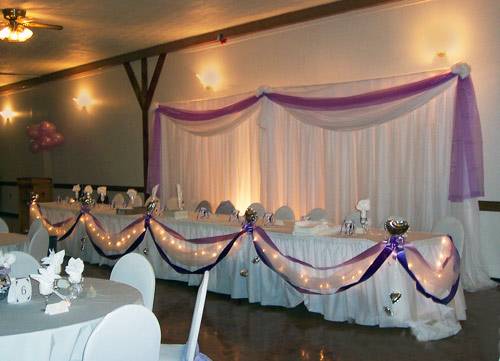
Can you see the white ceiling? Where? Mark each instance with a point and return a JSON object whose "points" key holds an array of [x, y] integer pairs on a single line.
{"points": [[99, 29]]}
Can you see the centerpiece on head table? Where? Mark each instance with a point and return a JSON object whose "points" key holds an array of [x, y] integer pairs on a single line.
{"points": [[177, 211], [102, 197]]}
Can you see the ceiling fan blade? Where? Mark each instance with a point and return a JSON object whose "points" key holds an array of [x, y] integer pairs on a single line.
{"points": [[34, 24], [15, 74]]}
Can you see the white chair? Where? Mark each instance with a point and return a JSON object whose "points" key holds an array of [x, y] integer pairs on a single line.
{"points": [[453, 227], [284, 213], [35, 226], [225, 207], [172, 203], [259, 208], [206, 204], [4, 228], [170, 352], [317, 214], [137, 201], [135, 270], [39, 245], [118, 201], [355, 217], [130, 332], [24, 265]]}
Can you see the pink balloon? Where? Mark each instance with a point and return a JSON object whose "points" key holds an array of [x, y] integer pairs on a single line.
{"points": [[47, 127], [34, 147], [32, 131], [58, 138], [45, 142]]}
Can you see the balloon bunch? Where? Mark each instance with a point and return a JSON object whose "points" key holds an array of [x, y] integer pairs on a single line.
{"points": [[43, 136]]}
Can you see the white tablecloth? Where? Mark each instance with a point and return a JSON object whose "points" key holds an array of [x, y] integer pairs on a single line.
{"points": [[13, 242], [363, 304], [28, 334]]}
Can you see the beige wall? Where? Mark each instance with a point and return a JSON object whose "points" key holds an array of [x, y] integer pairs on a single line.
{"points": [[104, 145]]}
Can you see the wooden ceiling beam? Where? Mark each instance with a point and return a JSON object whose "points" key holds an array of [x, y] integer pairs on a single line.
{"points": [[290, 18]]}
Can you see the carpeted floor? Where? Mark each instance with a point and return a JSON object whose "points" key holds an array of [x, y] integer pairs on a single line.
{"points": [[235, 330]]}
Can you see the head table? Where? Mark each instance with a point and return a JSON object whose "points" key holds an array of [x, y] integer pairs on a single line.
{"points": [[239, 276], [27, 333]]}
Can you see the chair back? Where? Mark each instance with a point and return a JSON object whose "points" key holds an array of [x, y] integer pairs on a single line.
{"points": [[194, 331], [453, 227], [317, 214], [35, 226], [130, 332], [225, 207], [172, 203], [204, 204], [24, 265], [284, 213], [4, 227], [259, 208], [39, 245], [137, 201], [135, 270], [118, 201], [355, 217]]}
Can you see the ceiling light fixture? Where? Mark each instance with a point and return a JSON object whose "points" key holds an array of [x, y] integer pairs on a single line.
{"points": [[16, 26], [17, 33]]}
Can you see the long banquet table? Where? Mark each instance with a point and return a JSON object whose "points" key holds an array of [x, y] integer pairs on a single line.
{"points": [[363, 304]]}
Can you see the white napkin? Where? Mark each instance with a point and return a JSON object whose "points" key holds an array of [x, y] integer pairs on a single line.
{"points": [[57, 308], [7, 259], [363, 206], [154, 191], [88, 189], [54, 260], [74, 269], [45, 278]]}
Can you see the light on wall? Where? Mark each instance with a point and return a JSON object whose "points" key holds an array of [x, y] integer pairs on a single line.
{"points": [[210, 79], [83, 100], [7, 114]]}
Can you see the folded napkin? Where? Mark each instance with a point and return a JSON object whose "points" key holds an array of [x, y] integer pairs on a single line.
{"points": [[57, 308], [88, 189], [154, 191], [363, 206], [54, 260], [45, 278], [7, 259], [310, 228], [74, 269]]}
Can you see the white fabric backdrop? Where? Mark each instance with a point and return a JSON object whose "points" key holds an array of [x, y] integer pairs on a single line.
{"points": [[290, 157]]}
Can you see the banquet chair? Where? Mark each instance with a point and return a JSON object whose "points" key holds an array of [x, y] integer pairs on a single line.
{"points": [[135, 270], [130, 332], [187, 352], [35, 226], [118, 201], [3, 226], [225, 207], [259, 209], [39, 244], [355, 217], [206, 204], [453, 227], [137, 201], [284, 213], [172, 203], [317, 214], [24, 265]]}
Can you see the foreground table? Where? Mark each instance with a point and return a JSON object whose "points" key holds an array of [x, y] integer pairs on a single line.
{"points": [[28, 334], [363, 304], [13, 242]]}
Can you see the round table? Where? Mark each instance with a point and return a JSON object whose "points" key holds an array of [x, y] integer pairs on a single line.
{"points": [[13, 242], [27, 333]]}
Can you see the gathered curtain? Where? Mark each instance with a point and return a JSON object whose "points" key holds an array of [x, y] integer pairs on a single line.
{"points": [[404, 142]]}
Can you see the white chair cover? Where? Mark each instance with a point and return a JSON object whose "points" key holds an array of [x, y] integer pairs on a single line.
{"points": [[172, 203], [317, 214], [453, 227], [39, 245], [355, 217], [135, 270], [3, 226], [118, 201], [225, 207], [206, 204], [284, 213], [191, 205], [35, 226], [24, 265], [187, 352], [259, 208], [130, 332], [137, 201]]}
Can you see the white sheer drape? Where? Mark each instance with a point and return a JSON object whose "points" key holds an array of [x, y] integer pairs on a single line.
{"points": [[289, 157]]}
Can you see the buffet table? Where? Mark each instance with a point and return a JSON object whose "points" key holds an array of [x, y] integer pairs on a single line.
{"points": [[239, 276]]}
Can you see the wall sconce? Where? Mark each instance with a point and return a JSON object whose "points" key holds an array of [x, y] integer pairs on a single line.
{"points": [[83, 100], [209, 79], [7, 114]]}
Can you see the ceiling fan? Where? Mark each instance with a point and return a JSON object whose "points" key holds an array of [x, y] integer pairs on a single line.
{"points": [[16, 26]]}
